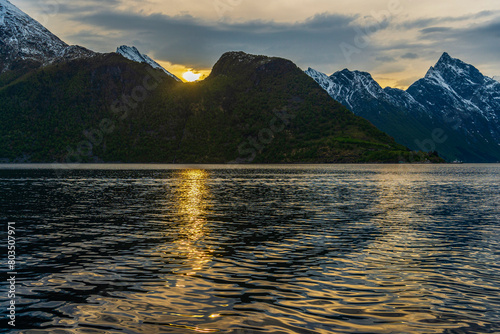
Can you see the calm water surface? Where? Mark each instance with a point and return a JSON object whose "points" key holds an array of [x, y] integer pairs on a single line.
{"points": [[276, 249]]}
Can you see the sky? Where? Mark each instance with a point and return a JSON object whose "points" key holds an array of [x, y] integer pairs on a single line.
{"points": [[395, 40]]}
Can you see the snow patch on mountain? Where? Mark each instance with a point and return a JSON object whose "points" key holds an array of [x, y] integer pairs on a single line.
{"points": [[351, 87], [7, 7], [131, 53], [459, 88], [3, 11], [453, 95], [23, 38]]}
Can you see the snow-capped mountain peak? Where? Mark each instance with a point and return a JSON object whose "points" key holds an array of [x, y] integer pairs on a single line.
{"points": [[453, 96], [360, 81], [23, 38], [350, 87], [131, 53], [450, 69], [312, 72], [6, 8], [459, 86], [321, 78]]}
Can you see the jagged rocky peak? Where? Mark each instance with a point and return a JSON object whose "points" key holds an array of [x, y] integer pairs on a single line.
{"points": [[453, 78], [355, 77], [322, 79], [6, 8], [313, 73], [359, 82], [346, 79], [132, 53], [312, 70], [23, 38], [453, 95], [451, 69]]}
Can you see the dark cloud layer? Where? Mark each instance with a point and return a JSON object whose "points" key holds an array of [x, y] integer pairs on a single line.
{"points": [[410, 55], [434, 29], [478, 41], [326, 41], [198, 43]]}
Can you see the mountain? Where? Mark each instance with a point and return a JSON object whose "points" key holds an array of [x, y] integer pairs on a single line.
{"points": [[354, 88], [454, 109], [24, 39], [81, 106], [268, 110], [131, 52], [388, 109], [250, 109]]}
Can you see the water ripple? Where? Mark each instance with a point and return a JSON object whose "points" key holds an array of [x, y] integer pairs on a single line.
{"points": [[276, 249]]}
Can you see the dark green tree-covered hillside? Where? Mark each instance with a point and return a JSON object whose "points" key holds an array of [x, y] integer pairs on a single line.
{"points": [[250, 109]]}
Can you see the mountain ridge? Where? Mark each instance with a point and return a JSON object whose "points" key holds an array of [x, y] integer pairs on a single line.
{"points": [[251, 109], [453, 97], [91, 107], [132, 53], [23, 38]]}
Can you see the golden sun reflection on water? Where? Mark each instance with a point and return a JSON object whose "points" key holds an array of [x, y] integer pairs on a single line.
{"points": [[373, 254], [192, 205]]}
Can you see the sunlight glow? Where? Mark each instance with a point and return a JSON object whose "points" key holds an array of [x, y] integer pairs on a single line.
{"points": [[192, 199], [190, 76]]}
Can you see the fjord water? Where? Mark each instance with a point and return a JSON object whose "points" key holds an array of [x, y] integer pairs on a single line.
{"points": [[255, 249]]}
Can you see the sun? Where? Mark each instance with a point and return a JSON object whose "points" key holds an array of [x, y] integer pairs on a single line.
{"points": [[190, 76]]}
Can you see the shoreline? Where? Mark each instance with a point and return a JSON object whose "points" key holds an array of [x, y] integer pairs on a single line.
{"points": [[166, 166]]}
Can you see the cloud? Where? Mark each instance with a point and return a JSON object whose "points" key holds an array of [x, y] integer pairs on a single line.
{"points": [[56, 7], [385, 59], [431, 21], [409, 41], [410, 55], [184, 39], [423, 41], [469, 40], [434, 30]]}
